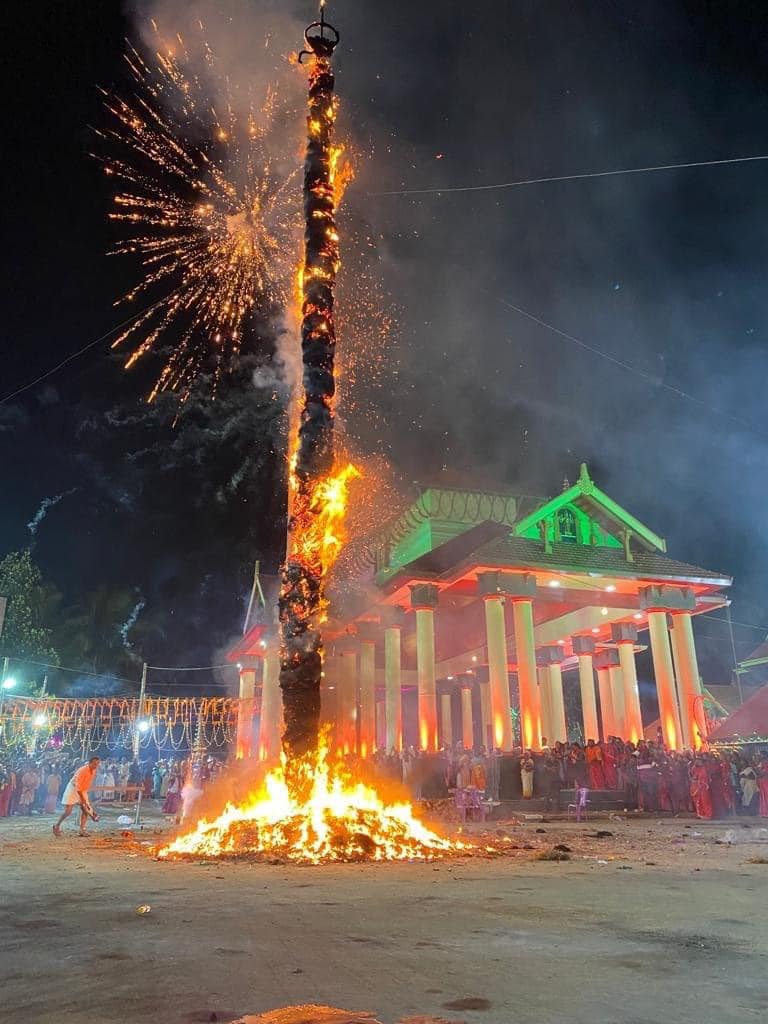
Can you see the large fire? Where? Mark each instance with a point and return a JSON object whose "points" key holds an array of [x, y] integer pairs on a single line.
{"points": [[334, 819]]}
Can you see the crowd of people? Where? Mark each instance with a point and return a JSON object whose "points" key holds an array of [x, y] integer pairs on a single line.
{"points": [[30, 786], [647, 775], [712, 784]]}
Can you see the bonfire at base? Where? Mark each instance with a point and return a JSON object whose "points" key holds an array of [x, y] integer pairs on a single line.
{"points": [[339, 820]]}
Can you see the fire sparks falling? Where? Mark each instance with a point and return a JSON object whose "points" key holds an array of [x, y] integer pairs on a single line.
{"points": [[339, 820], [205, 208]]}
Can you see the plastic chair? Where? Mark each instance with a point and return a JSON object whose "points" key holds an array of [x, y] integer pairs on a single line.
{"points": [[580, 806]]}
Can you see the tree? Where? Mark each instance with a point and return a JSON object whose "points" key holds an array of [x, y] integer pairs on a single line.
{"points": [[25, 631]]}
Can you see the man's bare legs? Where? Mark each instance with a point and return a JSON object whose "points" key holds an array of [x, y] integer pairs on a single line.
{"points": [[66, 813], [68, 808]]}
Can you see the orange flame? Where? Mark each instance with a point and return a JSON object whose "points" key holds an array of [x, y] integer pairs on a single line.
{"points": [[340, 820], [342, 173], [319, 535]]}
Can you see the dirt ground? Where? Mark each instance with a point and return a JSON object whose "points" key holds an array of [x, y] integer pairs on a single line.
{"points": [[656, 922]]}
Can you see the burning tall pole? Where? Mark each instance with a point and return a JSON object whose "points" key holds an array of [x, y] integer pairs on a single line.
{"points": [[317, 492]]}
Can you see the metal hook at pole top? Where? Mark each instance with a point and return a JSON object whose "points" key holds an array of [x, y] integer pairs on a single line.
{"points": [[322, 43]]}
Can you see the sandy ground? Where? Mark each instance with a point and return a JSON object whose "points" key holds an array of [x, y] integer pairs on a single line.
{"points": [[657, 922]]}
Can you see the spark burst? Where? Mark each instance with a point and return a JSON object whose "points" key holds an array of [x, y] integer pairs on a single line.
{"points": [[206, 209]]}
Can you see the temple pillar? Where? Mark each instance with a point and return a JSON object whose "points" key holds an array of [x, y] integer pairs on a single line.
{"points": [[498, 679], [485, 714], [381, 725], [346, 705], [393, 683], [657, 601], [545, 709], [604, 661], [424, 601], [689, 680], [446, 723], [550, 659], [616, 683], [467, 726], [530, 725], [665, 679], [367, 693], [329, 691], [584, 649], [245, 711], [606, 704], [559, 725], [625, 636], [271, 720]]}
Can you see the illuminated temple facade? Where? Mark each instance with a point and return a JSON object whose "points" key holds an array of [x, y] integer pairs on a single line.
{"points": [[469, 617]]}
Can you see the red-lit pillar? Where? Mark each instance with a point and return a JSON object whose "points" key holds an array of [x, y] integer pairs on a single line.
{"points": [[658, 601], [424, 597], [271, 718], [521, 590], [689, 681], [491, 587], [346, 704], [486, 730], [245, 710], [545, 710], [367, 689], [392, 620]]}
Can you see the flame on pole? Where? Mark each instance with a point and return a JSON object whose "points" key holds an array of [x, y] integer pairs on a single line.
{"points": [[317, 492]]}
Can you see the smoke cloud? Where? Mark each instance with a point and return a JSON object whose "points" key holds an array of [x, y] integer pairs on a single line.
{"points": [[45, 507]]}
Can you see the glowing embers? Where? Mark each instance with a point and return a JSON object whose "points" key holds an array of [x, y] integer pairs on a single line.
{"points": [[334, 819]]}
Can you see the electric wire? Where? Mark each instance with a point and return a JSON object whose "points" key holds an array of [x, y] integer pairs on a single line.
{"points": [[496, 186]]}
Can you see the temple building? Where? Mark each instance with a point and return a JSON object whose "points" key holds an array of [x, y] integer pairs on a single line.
{"points": [[471, 615]]}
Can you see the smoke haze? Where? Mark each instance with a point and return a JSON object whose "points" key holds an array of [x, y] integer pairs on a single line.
{"points": [[663, 272]]}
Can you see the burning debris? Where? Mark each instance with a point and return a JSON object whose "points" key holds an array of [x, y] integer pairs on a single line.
{"points": [[318, 489], [323, 816]]}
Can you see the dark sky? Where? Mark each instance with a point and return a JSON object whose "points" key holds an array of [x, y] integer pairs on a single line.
{"points": [[663, 271]]}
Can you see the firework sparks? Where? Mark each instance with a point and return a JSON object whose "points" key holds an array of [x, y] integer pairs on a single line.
{"points": [[205, 209]]}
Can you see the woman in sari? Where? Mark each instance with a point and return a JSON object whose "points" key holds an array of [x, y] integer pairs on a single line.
{"points": [[172, 801], [52, 787], [700, 790]]}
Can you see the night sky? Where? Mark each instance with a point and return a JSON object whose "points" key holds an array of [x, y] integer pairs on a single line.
{"points": [[663, 272]]}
